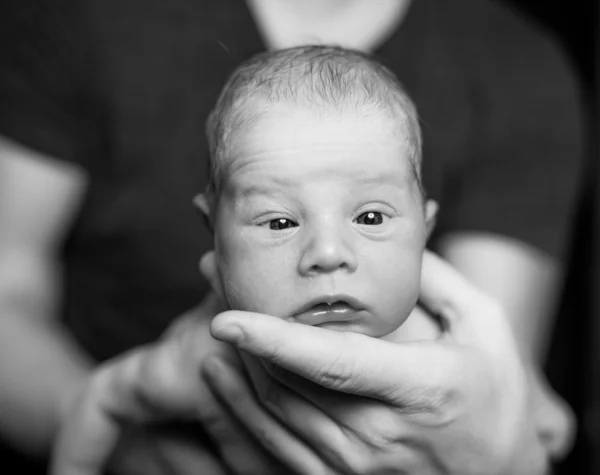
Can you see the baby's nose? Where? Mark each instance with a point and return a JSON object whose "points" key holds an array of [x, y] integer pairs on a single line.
{"points": [[328, 249]]}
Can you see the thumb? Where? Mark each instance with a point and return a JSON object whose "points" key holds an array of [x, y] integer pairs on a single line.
{"points": [[555, 419], [467, 314], [342, 361]]}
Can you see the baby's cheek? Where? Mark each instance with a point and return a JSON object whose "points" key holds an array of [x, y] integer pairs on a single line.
{"points": [[400, 279], [255, 282]]}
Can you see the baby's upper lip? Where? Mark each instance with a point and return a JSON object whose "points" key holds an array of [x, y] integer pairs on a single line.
{"points": [[352, 302]]}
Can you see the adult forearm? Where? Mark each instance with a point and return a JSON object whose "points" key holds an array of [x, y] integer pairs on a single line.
{"points": [[523, 280], [39, 364], [39, 200], [39, 368]]}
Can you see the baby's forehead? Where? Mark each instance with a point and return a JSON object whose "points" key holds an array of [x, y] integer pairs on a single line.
{"points": [[258, 124], [251, 118], [354, 153]]}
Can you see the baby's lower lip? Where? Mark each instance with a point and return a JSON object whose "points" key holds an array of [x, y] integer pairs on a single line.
{"points": [[324, 313]]}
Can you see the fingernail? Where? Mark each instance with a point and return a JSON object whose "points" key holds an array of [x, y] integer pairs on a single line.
{"points": [[230, 333]]}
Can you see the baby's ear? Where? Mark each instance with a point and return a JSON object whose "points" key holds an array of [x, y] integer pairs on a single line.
{"points": [[210, 271], [431, 210], [203, 203]]}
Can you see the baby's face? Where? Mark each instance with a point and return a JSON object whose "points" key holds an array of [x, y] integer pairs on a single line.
{"points": [[320, 220]]}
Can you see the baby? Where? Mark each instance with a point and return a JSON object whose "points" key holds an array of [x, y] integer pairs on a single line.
{"points": [[315, 198]]}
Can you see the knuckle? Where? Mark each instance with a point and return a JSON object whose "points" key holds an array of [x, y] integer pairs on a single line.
{"points": [[270, 389], [270, 395], [216, 425], [443, 397], [382, 432], [338, 373], [267, 439], [354, 462], [154, 387], [334, 376], [437, 405], [346, 453], [276, 372]]}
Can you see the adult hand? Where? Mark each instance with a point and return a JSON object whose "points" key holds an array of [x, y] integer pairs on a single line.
{"points": [[459, 405], [163, 449], [124, 412]]}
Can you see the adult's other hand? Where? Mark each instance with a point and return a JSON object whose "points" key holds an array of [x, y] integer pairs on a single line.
{"points": [[460, 404], [145, 411]]}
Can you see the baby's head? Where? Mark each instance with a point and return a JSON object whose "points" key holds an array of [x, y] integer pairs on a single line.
{"points": [[315, 197]]}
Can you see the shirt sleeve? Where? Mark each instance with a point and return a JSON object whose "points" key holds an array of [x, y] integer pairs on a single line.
{"points": [[43, 100], [521, 175]]}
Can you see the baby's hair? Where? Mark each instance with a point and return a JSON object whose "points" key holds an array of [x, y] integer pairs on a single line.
{"points": [[320, 76]]}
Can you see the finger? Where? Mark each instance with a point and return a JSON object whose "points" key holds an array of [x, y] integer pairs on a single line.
{"points": [[142, 386], [191, 461], [145, 385], [294, 400], [319, 429], [164, 450], [469, 317], [93, 428], [341, 428], [136, 454], [234, 390], [181, 451], [443, 287], [556, 423], [86, 440], [235, 445], [331, 404], [466, 312], [346, 362], [207, 309], [420, 325]]}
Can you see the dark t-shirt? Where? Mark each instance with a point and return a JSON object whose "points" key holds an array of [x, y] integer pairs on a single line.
{"points": [[122, 88]]}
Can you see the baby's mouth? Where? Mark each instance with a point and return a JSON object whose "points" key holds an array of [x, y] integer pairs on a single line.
{"points": [[329, 311]]}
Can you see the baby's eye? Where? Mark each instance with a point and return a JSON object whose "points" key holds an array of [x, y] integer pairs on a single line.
{"points": [[280, 224], [370, 218]]}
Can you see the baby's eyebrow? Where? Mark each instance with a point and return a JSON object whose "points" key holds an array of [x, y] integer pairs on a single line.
{"points": [[378, 179], [271, 188]]}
